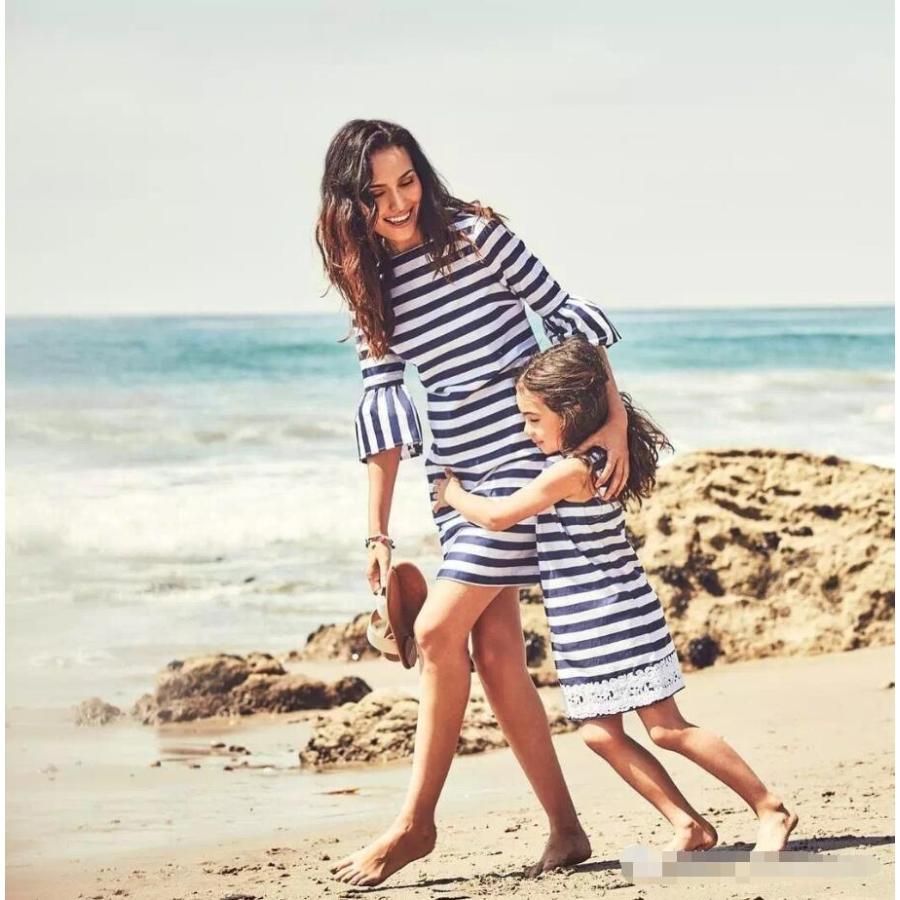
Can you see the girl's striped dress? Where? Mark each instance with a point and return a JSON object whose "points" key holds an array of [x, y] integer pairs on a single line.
{"points": [[467, 337], [612, 648]]}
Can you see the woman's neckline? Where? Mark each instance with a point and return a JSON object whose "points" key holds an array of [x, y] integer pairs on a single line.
{"points": [[412, 250]]}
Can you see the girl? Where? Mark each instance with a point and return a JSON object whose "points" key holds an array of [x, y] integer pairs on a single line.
{"points": [[612, 649], [442, 284]]}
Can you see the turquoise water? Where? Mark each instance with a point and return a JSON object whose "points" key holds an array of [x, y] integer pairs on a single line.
{"points": [[176, 485], [150, 351]]}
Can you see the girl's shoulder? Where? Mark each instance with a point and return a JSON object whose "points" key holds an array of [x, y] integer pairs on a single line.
{"points": [[584, 470], [573, 471], [592, 460]]}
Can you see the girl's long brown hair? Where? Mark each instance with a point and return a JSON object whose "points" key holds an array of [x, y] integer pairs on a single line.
{"points": [[571, 380], [355, 259]]}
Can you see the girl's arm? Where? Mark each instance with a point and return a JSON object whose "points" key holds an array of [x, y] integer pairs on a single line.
{"points": [[613, 437], [561, 480]]}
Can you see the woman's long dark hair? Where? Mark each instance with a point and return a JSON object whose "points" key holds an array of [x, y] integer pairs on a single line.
{"points": [[355, 258], [571, 380]]}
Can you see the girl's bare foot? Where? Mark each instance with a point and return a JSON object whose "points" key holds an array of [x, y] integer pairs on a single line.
{"points": [[775, 826], [397, 847], [694, 835], [563, 848]]}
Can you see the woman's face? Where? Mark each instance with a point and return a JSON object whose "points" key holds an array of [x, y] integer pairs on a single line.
{"points": [[397, 192], [542, 425]]}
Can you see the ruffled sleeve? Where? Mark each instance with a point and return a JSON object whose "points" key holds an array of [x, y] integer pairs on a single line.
{"points": [[523, 274], [386, 416]]}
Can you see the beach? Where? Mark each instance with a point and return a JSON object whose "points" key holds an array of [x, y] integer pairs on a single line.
{"points": [[818, 729], [186, 487]]}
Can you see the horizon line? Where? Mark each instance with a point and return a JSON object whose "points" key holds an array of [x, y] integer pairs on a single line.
{"points": [[862, 304]]}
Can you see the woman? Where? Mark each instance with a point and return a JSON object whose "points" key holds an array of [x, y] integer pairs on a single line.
{"points": [[442, 284]]}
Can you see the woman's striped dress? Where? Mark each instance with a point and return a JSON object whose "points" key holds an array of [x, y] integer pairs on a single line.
{"points": [[612, 648], [467, 337]]}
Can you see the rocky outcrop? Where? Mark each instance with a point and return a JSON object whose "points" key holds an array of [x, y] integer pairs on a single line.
{"points": [[96, 712], [345, 641], [762, 552], [382, 728], [224, 684]]}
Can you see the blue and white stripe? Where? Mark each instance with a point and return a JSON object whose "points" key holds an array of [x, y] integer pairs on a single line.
{"points": [[386, 416], [611, 645], [467, 336]]}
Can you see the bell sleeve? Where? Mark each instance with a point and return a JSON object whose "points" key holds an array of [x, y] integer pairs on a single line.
{"points": [[563, 316], [386, 416]]}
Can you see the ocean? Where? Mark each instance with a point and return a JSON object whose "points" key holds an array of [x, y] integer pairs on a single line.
{"points": [[183, 485]]}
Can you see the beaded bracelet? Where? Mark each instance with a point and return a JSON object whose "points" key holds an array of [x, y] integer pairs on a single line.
{"points": [[379, 539]]}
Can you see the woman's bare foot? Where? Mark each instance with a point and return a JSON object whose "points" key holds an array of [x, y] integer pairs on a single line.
{"points": [[775, 826], [397, 847], [694, 835], [563, 848]]}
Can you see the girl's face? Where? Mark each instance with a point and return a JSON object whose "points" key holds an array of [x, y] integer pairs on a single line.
{"points": [[397, 192], [542, 425]]}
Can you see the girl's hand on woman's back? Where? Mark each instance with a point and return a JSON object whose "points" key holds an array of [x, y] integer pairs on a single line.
{"points": [[439, 490]]}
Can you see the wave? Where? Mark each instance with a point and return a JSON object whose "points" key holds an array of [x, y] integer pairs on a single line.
{"points": [[235, 510]]}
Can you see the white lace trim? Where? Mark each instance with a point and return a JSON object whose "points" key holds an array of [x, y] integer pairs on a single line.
{"points": [[630, 690]]}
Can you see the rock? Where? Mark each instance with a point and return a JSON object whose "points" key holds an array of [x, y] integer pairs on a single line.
{"points": [[95, 712], [821, 548], [345, 641], [536, 647], [382, 727], [702, 651], [292, 692], [226, 684], [144, 709], [212, 675], [536, 631]]}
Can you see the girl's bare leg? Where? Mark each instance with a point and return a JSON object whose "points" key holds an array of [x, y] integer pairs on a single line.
{"points": [[667, 728], [643, 771], [442, 633], [499, 653]]}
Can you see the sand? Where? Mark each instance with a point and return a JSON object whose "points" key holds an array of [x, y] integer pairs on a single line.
{"points": [[818, 729]]}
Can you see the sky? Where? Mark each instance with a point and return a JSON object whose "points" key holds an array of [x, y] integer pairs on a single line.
{"points": [[164, 156]]}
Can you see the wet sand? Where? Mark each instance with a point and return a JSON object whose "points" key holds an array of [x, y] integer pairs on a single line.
{"points": [[818, 729]]}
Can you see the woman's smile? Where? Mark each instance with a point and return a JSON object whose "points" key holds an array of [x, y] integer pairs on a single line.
{"points": [[399, 221]]}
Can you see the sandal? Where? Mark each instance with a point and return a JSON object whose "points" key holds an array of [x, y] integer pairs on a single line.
{"points": [[406, 593], [378, 631], [390, 628]]}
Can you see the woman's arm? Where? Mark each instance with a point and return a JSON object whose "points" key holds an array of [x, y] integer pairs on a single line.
{"points": [[382, 471], [613, 437], [499, 513], [563, 316]]}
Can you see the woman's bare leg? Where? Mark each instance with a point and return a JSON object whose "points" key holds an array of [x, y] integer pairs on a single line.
{"points": [[499, 652], [667, 728], [643, 771], [442, 633]]}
